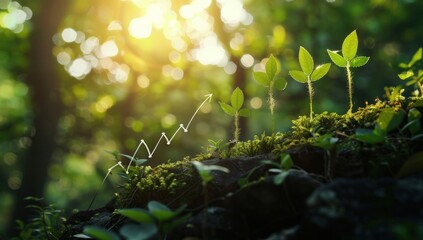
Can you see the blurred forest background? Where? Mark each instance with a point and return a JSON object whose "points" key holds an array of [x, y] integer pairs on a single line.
{"points": [[82, 78]]}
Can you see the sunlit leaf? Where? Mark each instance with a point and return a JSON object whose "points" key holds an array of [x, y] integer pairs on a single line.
{"points": [[298, 76], [280, 83], [286, 161], [227, 108], [271, 67], [237, 99], [349, 46], [137, 214], [262, 78], [138, 231], [205, 170], [100, 233], [416, 57], [326, 141], [337, 59], [306, 61], [368, 136], [359, 61], [405, 75], [390, 119], [244, 112], [320, 71]]}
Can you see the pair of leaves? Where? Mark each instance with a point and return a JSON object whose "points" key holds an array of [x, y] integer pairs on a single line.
{"points": [[388, 120], [237, 100], [205, 171], [272, 68], [156, 212], [349, 52], [283, 171], [307, 66]]}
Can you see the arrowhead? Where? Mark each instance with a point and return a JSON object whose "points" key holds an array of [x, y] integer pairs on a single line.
{"points": [[209, 96]]}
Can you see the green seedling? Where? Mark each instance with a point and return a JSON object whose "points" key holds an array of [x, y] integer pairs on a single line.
{"points": [[328, 143], [269, 79], [235, 109], [205, 172], [349, 60], [411, 72], [282, 170], [309, 74]]}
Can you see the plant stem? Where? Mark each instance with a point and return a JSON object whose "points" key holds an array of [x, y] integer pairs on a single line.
{"points": [[420, 87], [237, 130], [272, 104], [310, 94], [350, 90]]}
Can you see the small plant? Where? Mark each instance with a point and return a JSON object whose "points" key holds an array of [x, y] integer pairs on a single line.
{"points": [[151, 223], [309, 74], [348, 60], [412, 72], [236, 110], [281, 169], [269, 79]]}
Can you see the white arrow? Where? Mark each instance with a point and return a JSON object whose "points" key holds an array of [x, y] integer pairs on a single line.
{"points": [[168, 140]]}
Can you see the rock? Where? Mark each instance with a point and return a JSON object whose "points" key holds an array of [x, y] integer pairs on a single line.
{"points": [[366, 208]]}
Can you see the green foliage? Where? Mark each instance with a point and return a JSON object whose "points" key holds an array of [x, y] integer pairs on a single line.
{"points": [[412, 71], [308, 73], [282, 169], [99, 233], [236, 110], [269, 79], [205, 171], [258, 145], [47, 223], [348, 60]]}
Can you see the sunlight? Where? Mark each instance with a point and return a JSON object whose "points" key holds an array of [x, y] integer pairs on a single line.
{"points": [[210, 52], [140, 27], [109, 49], [69, 35]]}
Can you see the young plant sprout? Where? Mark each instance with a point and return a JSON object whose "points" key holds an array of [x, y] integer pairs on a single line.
{"points": [[348, 60], [412, 72], [309, 74], [236, 110], [269, 79]]}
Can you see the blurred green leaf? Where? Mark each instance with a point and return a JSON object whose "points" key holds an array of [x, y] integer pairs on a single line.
{"points": [[100, 233], [137, 214], [280, 83], [262, 78], [368, 136], [138, 231], [405, 75], [414, 164], [389, 119], [414, 117], [416, 57], [244, 112], [271, 67], [227, 108]]}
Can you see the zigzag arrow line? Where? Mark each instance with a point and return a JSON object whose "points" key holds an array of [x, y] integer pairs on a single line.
{"points": [[168, 140]]}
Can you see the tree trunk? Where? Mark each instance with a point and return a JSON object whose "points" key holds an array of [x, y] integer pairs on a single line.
{"points": [[43, 82]]}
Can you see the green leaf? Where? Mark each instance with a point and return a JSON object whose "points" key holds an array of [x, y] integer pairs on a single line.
{"points": [[286, 161], [100, 233], [368, 136], [280, 83], [416, 57], [298, 76], [405, 75], [413, 165], [320, 71], [306, 61], [262, 78], [414, 117], [337, 59], [280, 178], [389, 119], [227, 109], [237, 99], [137, 214], [272, 67], [359, 61], [138, 231], [325, 141], [244, 112], [349, 46], [160, 211], [205, 170]]}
